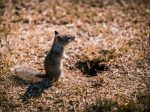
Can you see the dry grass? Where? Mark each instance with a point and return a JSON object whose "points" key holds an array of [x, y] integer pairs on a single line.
{"points": [[115, 34]]}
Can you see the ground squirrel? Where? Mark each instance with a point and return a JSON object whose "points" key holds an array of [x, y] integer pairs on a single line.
{"points": [[53, 61]]}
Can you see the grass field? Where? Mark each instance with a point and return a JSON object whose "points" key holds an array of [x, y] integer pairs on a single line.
{"points": [[109, 64]]}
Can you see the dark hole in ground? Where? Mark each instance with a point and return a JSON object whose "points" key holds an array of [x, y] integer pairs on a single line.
{"points": [[92, 67]]}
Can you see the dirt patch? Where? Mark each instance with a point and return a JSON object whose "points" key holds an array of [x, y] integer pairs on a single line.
{"points": [[92, 67]]}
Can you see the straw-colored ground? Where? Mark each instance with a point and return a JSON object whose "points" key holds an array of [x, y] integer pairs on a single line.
{"points": [[112, 37]]}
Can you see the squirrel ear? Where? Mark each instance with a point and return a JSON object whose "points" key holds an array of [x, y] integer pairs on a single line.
{"points": [[56, 33]]}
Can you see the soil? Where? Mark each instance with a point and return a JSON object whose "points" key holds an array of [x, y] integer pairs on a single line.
{"points": [[108, 68]]}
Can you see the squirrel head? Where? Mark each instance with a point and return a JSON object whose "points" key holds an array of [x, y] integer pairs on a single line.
{"points": [[63, 39]]}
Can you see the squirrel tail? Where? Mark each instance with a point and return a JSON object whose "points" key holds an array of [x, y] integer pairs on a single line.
{"points": [[28, 72]]}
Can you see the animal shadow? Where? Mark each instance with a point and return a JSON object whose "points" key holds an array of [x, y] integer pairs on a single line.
{"points": [[20, 81], [36, 89]]}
